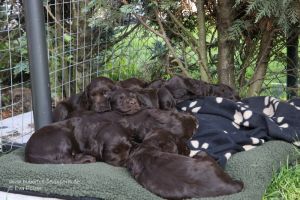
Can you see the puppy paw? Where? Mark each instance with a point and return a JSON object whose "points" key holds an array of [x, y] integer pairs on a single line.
{"points": [[81, 159]]}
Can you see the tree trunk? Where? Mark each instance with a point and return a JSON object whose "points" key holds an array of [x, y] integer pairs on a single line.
{"points": [[202, 40], [292, 63], [225, 46], [262, 60]]}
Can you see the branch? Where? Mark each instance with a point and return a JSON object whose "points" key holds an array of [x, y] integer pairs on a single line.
{"points": [[52, 16], [168, 43]]}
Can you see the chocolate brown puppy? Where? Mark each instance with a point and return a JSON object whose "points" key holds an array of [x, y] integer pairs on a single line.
{"points": [[95, 98], [156, 83], [125, 101], [132, 84], [148, 97], [80, 140], [183, 88], [56, 144], [180, 125], [156, 166], [114, 144], [166, 99]]}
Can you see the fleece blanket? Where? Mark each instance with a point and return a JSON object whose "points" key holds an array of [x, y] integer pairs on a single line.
{"points": [[102, 181], [227, 127]]}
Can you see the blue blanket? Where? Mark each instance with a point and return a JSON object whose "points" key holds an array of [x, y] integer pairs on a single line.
{"points": [[227, 127]]}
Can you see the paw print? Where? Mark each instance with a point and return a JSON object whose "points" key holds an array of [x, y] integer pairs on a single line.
{"points": [[241, 117], [293, 104], [271, 105], [196, 144], [280, 122], [193, 107]]}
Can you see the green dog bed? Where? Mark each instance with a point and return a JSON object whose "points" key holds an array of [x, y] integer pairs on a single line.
{"points": [[102, 181]]}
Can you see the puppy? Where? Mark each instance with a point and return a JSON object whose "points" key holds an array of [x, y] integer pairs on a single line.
{"points": [[94, 97], [180, 125], [56, 144], [156, 83], [114, 145], [84, 139], [156, 166], [125, 102], [183, 88], [148, 97], [166, 99], [132, 84]]}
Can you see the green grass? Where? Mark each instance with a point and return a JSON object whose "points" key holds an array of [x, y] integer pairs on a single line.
{"points": [[285, 184]]}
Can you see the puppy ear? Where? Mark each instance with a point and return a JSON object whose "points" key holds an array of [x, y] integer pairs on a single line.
{"points": [[148, 98], [84, 99], [143, 100], [100, 150], [190, 86], [166, 99], [61, 111]]}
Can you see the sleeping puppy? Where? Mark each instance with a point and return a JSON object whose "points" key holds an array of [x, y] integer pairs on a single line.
{"points": [[128, 102], [80, 140], [56, 144], [180, 125], [148, 98], [156, 84], [94, 97], [114, 144], [125, 102], [132, 84], [166, 99], [156, 166], [183, 88]]}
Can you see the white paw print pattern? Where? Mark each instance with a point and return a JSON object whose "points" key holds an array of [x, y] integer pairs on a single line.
{"points": [[193, 107], [196, 144], [293, 104], [193, 153], [227, 155], [271, 105], [280, 122], [219, 100], [241, 117]]}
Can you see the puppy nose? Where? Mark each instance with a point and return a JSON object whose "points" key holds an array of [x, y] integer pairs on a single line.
{"points": [[132, 101]]}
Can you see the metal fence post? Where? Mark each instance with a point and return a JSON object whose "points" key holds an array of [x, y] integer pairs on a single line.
{"points": [[38, 60]]}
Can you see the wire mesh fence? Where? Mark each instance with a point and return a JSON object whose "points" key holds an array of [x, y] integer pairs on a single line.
{"points": [[15, 122], [87, 39]]}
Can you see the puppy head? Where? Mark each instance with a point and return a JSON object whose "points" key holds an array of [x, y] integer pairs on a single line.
{"points": [[180, 88], [125, 102], [166, 100], [161, 140], [132, 84], [96, 94], [156, 84], [116, 145], [225, 91], [148, 98], [189, 123]]}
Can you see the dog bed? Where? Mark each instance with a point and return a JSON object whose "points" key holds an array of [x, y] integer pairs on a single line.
{"points": [[102, 181]]}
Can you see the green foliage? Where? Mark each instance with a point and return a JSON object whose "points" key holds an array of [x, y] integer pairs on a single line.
{"points": [[21, 67], [285, 183], [238, 27], [285, 13]]}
